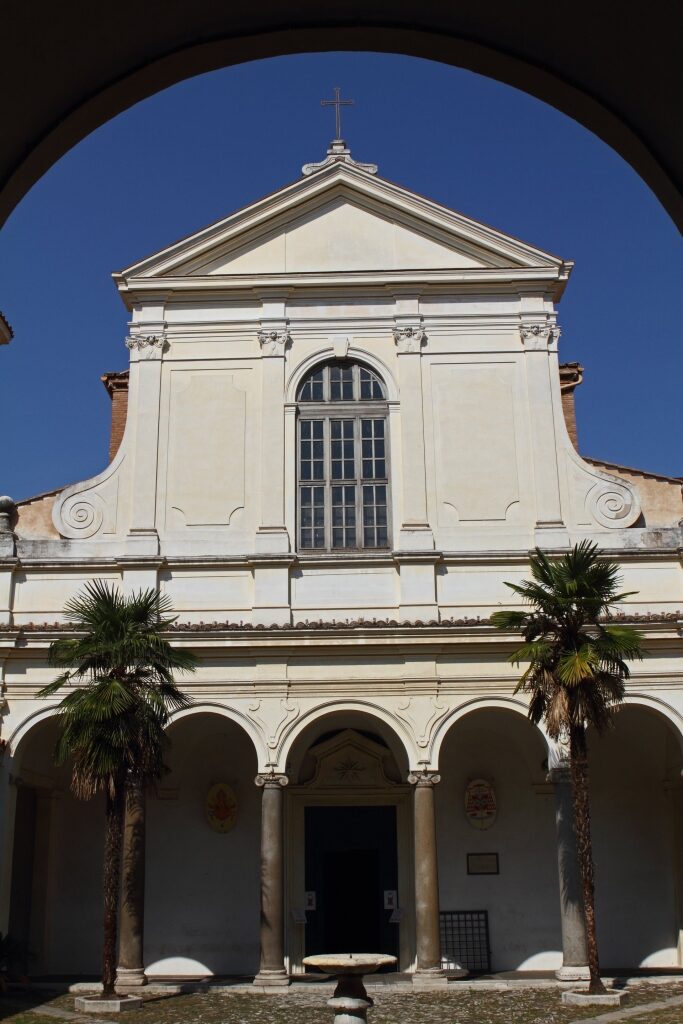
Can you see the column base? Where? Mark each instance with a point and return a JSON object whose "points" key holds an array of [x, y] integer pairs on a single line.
{"points": [[433, 980], [272, 980], [573, 972], [130, 977]]}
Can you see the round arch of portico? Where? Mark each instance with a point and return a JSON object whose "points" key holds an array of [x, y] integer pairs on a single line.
{"points": [[139, 55], [662, 709], [442, 729], [316, 714], [236, 716], [24, 729], [324, 355]]}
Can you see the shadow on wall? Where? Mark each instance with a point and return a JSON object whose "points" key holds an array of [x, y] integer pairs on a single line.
{"points": [[635, 783]]}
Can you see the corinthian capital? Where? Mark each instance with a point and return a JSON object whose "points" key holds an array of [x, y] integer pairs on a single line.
{"points": [[425, 777], [147, 343], [270, 780], [409, 337], [274, 341], [539, 335]]}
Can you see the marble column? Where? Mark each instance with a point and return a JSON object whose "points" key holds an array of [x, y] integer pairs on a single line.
{"points": [[130, 971], [574, 956], [272, 972], [428, 972]]}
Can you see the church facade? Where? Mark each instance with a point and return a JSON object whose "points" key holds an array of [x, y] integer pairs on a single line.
{"points": [[346, 426]]}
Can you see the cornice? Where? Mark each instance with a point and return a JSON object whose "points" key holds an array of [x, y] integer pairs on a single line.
{"points": [[354, 627], [255, 285]]}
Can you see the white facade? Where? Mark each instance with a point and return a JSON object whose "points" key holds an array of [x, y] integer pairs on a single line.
{"points": [[385, 652]]}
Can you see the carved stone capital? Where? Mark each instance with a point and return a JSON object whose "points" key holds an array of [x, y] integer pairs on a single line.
{"points": [[539, 336], [426, 777], [409, 337], [149, 344], [274, 341], [272, 780]]}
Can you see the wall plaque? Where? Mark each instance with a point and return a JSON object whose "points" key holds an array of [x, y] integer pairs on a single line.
{"points": [[221, 807], [482, 864], [481, 807]]}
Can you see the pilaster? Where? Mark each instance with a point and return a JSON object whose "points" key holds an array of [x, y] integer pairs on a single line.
{"points": [[147, 344], [417, 578], [274, 337], [271, 605], [415, 533], [540, 334]]}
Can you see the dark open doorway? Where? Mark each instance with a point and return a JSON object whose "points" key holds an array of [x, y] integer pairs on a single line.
{"points": [[351, 877]]}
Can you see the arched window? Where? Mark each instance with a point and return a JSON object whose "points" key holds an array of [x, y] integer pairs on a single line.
{"points": [[342, 465]]}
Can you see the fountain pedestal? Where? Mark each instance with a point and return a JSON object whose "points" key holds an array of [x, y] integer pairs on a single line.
{"points": [[350, 1001]]}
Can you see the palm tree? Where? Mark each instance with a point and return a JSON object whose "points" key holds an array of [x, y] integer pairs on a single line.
{"points": [[576, 675], [119, 673]]}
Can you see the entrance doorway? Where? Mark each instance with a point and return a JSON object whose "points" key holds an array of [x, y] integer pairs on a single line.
{"points": [[351, 880]]}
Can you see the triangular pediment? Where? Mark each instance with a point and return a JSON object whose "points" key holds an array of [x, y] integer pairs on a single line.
{"points": [[343, 234], [340, 220]]}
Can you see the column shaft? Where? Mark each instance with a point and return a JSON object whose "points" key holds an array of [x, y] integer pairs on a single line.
{"points": [[574, 956], [131, 967], [272, 969], [428, 972]]}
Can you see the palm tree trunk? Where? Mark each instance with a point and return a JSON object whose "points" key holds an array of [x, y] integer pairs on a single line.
{"points": [[578, 754], [113, 838]]}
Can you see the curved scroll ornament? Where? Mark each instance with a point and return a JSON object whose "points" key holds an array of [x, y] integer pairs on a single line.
{"points": [[81, 516], [90, 506], [613, 504], [599, 497]]}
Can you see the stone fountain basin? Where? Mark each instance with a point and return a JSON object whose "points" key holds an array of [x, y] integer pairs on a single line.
{"points": [[349, 963]]}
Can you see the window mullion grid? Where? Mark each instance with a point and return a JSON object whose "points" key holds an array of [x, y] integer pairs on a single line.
{"points": [[357, 446], [327, 469]]}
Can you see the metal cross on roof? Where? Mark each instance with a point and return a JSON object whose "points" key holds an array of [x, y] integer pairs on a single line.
{"points": [[337, 103]]}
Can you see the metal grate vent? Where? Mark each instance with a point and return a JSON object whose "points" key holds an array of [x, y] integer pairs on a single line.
{"points": [[465, 939]]}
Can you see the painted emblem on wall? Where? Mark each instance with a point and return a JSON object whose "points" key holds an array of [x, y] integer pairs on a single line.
{"points": [[221, 807], [480, 804]]}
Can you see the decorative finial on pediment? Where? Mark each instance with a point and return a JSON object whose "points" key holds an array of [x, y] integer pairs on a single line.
{"points": [[338, 151]]}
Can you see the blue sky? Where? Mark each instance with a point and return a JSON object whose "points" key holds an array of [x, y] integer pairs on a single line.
{"points": [[209, 145]]}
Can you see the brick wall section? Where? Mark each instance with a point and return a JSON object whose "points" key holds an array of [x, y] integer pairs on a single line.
{"points": [[117, 389], [571, 375]]}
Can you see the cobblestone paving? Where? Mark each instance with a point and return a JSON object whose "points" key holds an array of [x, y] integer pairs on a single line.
{"points": [[513, 1006]]}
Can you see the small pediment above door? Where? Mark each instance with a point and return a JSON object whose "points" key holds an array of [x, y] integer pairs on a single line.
{"points": [[350, 761]]}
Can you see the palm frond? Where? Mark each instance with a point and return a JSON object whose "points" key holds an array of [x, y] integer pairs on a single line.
{"points": [[120, 673], [576, 664]]}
